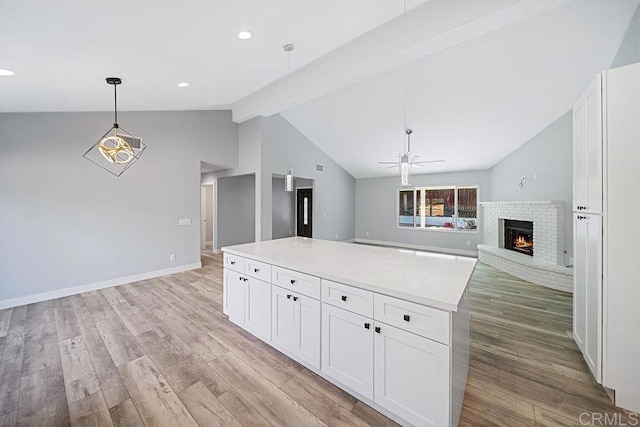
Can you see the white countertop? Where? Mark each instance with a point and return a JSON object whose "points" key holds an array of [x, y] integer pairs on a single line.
{"points": [[428, 278]]}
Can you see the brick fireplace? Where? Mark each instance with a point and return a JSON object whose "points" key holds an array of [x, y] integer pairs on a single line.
{"points": [[542, 262]]}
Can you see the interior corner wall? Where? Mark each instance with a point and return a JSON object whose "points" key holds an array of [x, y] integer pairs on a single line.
{"points": [[284, 210], [66, 223], [235, 210], [247, 162], [629, 50], [549, 154], [284, 146], [377, 214]]}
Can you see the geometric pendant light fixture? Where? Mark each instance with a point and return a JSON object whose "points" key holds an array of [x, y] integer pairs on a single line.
{"points": [[117, 149]]}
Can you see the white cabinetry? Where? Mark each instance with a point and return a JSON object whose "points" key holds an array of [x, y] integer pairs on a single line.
{"points": [[587, 298], [606, 174], [409, 379], [587, 145], [235, 287], [394, 354], [246, 300], [347, 349], [258, 308], [296, 325]]}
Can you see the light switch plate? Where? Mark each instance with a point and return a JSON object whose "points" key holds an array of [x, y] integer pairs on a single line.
{"points": [[184, 221]]}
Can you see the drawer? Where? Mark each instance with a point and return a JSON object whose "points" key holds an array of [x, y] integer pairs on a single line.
{"points": [[296, 281], [348, 297], [234, 262], [419, 319], [257, 269]]}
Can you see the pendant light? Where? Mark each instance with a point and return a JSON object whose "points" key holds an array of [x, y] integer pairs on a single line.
{"points": [[288, 172], [405, 161], [117, 149]]}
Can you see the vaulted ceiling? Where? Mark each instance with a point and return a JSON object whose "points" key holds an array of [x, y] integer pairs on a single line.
{"points": [[481, 77]]}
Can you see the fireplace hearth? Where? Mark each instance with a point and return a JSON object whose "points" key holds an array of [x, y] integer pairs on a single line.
{"points": [[518, 236]]}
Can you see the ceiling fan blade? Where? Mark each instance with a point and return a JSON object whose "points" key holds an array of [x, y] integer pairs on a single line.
{"points": [[391, 167], [429, 161], [388, 163]]}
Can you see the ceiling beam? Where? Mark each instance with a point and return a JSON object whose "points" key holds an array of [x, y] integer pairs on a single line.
{"points": [[430, 28]]}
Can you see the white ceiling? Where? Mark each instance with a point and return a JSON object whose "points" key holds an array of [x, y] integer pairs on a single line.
{"points": [[62, 50], [473, 103], [482, 76]]}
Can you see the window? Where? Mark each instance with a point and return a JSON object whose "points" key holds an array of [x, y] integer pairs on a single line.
{"points": [[446, 208]]}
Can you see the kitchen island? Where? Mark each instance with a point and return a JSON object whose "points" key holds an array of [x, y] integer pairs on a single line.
{"points": [[389, 326]]}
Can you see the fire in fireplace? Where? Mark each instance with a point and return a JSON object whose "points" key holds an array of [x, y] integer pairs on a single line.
{"points": [[518, 236]]}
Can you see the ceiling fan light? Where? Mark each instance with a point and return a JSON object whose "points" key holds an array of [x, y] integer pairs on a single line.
{"points": [[405, 169]]}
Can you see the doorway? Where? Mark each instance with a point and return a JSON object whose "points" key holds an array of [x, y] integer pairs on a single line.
{"points": [[207, 221], [304, 212]]}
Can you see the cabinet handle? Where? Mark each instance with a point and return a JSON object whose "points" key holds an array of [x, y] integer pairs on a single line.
{"points": [[255, 270], [245, 279], [295, 298], [288, 296], [406, 317], [233, 263], [378, 329], [239, 278], [344, 297], [293, 282], [367, 325]]}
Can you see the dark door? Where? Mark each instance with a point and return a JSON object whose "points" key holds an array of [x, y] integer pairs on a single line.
{"points": [[304, 212]]}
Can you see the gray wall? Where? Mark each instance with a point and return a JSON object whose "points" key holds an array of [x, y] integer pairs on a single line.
{"points": [[282, 146], [284, 210], [629, 50], [65, 222], [235, 210], [550, 155], [376, 204], [209, 212]]}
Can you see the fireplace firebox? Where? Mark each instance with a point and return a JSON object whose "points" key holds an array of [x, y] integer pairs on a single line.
{"points": [[518, 236]]}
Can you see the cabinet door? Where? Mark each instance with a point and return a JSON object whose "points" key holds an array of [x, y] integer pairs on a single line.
{"points": [[587, 293], [412, 376], [258, 308], [234, 297], [587, 145], [306, 330], [282, 318], [347, 349]]}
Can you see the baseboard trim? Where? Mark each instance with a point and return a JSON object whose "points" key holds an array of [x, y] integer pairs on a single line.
{"points": [[463, 252], [65, 292]]}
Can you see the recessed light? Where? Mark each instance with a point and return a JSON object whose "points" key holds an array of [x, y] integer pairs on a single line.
{"points": [[244, 35], [183, 84], [6, 73]]}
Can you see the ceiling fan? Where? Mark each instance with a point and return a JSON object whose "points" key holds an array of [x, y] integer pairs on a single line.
{"points": [[406, 161]]}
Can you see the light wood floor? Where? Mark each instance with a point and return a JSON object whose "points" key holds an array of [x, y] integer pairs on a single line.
{"points": [[160, 352]]}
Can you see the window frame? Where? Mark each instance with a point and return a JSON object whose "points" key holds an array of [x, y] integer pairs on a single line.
{"points": [[422, 226]]}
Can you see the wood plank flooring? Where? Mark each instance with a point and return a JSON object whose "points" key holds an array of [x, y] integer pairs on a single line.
{"points": [[160, 352]]}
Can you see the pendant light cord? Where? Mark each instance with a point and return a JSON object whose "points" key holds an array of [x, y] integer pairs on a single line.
{"points": [[404, 69], [115, 105]]}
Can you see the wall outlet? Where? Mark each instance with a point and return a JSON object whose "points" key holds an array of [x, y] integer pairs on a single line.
{"points": [[184, 221], [468, 242], [571, 260], [290, 232], [367, 234], [172, 257], [336, 237]]}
